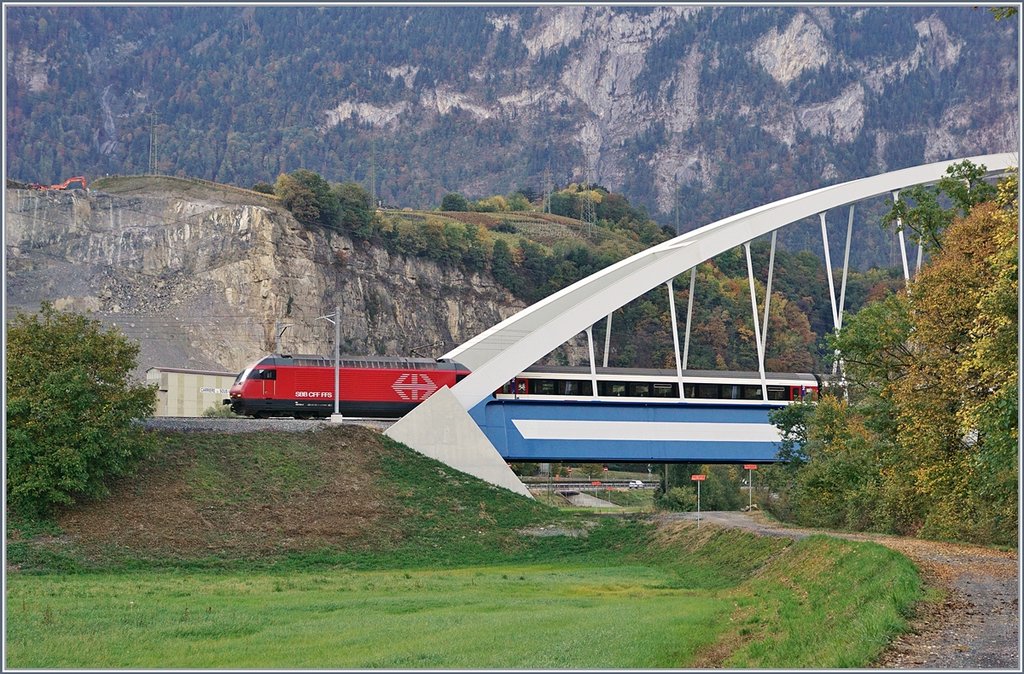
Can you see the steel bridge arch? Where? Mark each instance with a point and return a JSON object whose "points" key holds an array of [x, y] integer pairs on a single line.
{"points": [[498, 354]]}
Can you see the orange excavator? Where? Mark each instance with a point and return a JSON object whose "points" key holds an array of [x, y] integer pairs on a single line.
{"points": [[61, 186]]}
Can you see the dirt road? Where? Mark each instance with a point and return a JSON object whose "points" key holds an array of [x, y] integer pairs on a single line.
{"points": [[976, 625]]}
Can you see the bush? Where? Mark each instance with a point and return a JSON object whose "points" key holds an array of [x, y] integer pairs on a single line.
{"points": [[71, 410], [219, 412], [453, 201], [679, 498]]}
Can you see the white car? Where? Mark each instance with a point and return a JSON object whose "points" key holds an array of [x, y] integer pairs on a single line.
{"points": [[636, 484]]}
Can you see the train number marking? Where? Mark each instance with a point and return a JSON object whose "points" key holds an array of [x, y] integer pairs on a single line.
{"points": [[414, 386]]}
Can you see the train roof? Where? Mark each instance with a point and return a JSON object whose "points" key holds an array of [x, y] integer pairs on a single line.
{"points": [[653, 372], [317, 360]]}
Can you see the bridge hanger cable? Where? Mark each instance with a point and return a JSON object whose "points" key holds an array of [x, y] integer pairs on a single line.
{"points": [[757, 324], [689, 317], [675, 335]]}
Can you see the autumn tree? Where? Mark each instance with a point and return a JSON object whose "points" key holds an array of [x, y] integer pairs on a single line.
{"points": [[928, 443], [72, 410]]}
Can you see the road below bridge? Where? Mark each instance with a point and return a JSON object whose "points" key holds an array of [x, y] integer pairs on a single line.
{"points": [[975, 626]]}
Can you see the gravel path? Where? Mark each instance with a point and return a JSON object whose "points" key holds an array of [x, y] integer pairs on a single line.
{"points": [[976, 626]]}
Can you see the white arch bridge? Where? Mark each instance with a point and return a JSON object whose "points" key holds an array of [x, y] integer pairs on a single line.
{"points": [[443, 428]]}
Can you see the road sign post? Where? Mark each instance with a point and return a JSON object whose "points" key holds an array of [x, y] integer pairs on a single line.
{"points": [[751, 467], [698, 479]]}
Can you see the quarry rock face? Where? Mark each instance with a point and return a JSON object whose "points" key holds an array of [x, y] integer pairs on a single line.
{"points": [[207, 280]]}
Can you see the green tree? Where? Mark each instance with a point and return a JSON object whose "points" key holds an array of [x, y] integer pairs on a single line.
{"points": [[453, 201], [71, 410], [355, 211], [503, 266], [919, 208]]}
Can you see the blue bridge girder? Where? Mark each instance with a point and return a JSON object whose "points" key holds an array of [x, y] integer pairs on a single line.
{"points": [[602, 430]]}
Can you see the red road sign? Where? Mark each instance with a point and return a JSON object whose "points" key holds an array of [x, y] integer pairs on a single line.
{"points": [[698, 478], [749, 466]]}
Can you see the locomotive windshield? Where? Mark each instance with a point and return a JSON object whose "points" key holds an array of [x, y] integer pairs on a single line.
{"points": [[243, 375]]}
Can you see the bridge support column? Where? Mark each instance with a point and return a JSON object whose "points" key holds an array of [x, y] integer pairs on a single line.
{"points": [[442, 429]]}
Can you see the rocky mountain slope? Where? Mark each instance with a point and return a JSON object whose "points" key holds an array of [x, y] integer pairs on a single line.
{"points": [[203, 275], [695, 112]]}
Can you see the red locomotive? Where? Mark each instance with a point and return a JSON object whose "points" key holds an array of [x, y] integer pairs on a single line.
{"points": [[374, 386]]}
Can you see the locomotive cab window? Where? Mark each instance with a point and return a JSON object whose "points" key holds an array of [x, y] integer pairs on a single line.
{"points": [[265, 374]]}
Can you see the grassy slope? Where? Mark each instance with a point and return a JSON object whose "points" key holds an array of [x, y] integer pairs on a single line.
{"points": [[347, 517]]}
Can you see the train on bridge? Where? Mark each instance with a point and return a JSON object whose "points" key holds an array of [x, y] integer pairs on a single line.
{"points": [[389, 387]]}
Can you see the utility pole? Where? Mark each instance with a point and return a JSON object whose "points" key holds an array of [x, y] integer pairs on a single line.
{"points": [[547, 189], [675, 202], [335, 318], [373, 171], [279, 329], [587, 214], [152, 143], [336, 417]]}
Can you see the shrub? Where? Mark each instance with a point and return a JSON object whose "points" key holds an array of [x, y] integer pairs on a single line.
{"points": [[453, 201], [71, 410]]}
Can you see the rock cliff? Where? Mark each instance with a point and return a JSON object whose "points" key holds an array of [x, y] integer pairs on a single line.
{"points": [[205, 277]]}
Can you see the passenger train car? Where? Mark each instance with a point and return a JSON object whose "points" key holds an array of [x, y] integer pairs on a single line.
{"points": [[303, 386], [650, 385], [389, 387]]}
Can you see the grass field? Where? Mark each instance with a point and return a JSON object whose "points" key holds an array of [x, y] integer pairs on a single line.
{"points": [[266, 551], [495, 617]]}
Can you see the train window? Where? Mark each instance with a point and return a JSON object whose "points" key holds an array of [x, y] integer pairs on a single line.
{"points": [[639, 389], [730, 391], [666, 390], [574, 387], [776, 393], [749, 392], [611, 388], [265, 374], [707, 391], [690, 390], [543, 387]]}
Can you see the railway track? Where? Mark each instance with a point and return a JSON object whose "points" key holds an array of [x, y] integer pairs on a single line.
{"points": [[247, 425]]}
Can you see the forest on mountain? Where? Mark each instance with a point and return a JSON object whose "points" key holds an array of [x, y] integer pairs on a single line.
{"points": [[693, 113]]}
